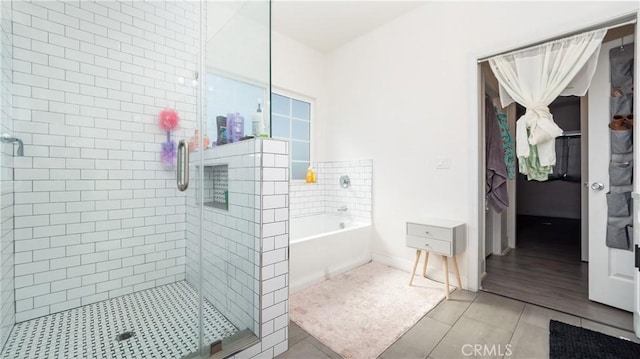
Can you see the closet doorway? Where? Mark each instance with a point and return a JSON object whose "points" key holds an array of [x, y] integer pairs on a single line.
{"points": [[537, 250]]}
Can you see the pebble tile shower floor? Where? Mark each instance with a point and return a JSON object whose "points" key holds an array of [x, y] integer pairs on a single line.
{"points": [[164, 320]]}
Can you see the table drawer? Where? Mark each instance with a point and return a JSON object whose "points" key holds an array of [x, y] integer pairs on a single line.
{"points": [[420, 230], [430, 244]]}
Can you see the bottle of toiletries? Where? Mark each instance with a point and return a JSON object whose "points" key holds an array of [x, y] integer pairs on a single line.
{"points": [[221, 123], [226, 199], [194, 142], [311, 176], [235, 127], [257, 121]]}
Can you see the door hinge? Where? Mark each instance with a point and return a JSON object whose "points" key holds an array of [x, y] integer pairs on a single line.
{"points": [[636, 253]]}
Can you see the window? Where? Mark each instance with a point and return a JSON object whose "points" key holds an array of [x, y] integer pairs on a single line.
{"points": [[291, 120], [227, 96]]}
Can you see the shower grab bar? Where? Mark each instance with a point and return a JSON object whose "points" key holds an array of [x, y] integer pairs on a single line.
{"points": [[182, 170]]}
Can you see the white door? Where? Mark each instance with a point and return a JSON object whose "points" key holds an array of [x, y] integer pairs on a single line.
{"points": [[611, 271], [636, 200]]}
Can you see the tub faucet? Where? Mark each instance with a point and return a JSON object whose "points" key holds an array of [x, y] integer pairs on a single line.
{"points": [[342, 209], [6, 138]]}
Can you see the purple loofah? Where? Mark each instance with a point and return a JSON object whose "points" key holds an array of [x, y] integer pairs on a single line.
{"points": [[168, 154]]}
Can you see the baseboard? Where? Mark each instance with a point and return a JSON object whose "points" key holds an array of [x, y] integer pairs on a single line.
{"points": [[506, 250], [433, 272]]}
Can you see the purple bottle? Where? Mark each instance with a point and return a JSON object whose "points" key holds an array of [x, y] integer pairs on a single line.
{"points": [[235, 127]]}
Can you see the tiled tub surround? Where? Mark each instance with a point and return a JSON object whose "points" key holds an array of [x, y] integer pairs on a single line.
{"points": [[164, 321], [326, 196], [257, 219], [97, 216]]}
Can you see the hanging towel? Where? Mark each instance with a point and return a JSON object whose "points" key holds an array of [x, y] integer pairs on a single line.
{"points": [[507, 144], [496, 188]]}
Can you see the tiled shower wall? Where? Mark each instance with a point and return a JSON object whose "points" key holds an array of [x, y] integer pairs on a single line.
{"points": [[272, 309], [7, 305], [96, 214], [257, 218], [229, 237], [326, 196]]}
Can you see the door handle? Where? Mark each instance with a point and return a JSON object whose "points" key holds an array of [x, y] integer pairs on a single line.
{"points": [[597, 186], [182, 167]]}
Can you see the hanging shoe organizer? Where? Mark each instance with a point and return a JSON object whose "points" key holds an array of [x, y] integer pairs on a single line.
{"points": [[619, 203]]}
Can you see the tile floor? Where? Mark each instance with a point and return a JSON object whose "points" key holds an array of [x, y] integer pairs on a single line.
{"points": [[164, 320], [466, 318]]}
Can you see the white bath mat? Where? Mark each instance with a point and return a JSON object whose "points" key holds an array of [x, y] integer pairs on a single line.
{"points": [[360, 313]]}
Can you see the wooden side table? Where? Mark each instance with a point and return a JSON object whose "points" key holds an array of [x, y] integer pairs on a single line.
{"points": [[438, 236]]}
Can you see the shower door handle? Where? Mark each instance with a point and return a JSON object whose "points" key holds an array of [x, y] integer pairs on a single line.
{"points": [[182, 170]]}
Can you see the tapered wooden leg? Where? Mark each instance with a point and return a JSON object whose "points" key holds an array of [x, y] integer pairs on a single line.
{"points": [[445, 266], [415, 265], [455, 267], [426, 260]]}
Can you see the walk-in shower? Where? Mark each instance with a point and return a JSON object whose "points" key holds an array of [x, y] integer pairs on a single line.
{"points": [[101, 255]]}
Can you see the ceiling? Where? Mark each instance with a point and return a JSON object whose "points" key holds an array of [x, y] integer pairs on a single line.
{"points": [[326, 25]]}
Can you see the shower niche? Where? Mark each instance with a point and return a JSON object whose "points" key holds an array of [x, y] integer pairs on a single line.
{"points": [[216, 186]]}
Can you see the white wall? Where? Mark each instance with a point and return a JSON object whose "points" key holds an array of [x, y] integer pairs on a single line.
{"points": [[97, 215], [299, 69], [405, 94]]}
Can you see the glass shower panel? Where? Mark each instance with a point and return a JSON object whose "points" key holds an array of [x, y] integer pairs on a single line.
{"points": [[236, 96]]}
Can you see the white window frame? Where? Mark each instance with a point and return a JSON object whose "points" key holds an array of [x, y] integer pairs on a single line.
{"points": [[311, 102]]}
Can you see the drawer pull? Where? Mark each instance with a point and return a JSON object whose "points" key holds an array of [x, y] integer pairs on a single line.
{"points": [[426, 245], [427, 233]]}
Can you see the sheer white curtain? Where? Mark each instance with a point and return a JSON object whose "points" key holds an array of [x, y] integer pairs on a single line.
{"points": [[536, 76]]}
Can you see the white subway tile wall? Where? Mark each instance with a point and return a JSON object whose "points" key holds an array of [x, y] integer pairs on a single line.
{"points": [[229, 236], [274, 241], [326, 195], [7, 208], [257, 218], [97, 215]]}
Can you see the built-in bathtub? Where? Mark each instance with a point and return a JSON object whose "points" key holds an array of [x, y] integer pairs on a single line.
{"points": [[323, 246]]}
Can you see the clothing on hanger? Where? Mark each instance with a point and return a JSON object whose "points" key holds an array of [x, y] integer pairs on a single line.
{"points": [[507, 142], [496, 185]]}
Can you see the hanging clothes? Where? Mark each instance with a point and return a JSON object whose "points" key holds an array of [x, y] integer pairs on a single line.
{"points": [[496, 188], [507, 144], [531, 167]]}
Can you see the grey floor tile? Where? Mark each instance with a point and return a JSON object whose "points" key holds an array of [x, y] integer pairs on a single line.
{"points": [[448, 311], [418, 341], [296, 333], [529, 342], [323, 348], [615, 332], [496, 310], [468, 332], [304, 349], [540, 316]]}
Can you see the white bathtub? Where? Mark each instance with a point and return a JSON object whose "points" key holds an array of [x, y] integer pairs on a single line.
{"points": [[320, 249]]}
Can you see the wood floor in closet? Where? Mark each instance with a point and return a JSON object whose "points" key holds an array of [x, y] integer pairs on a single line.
{"points": [[546, 270]]}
